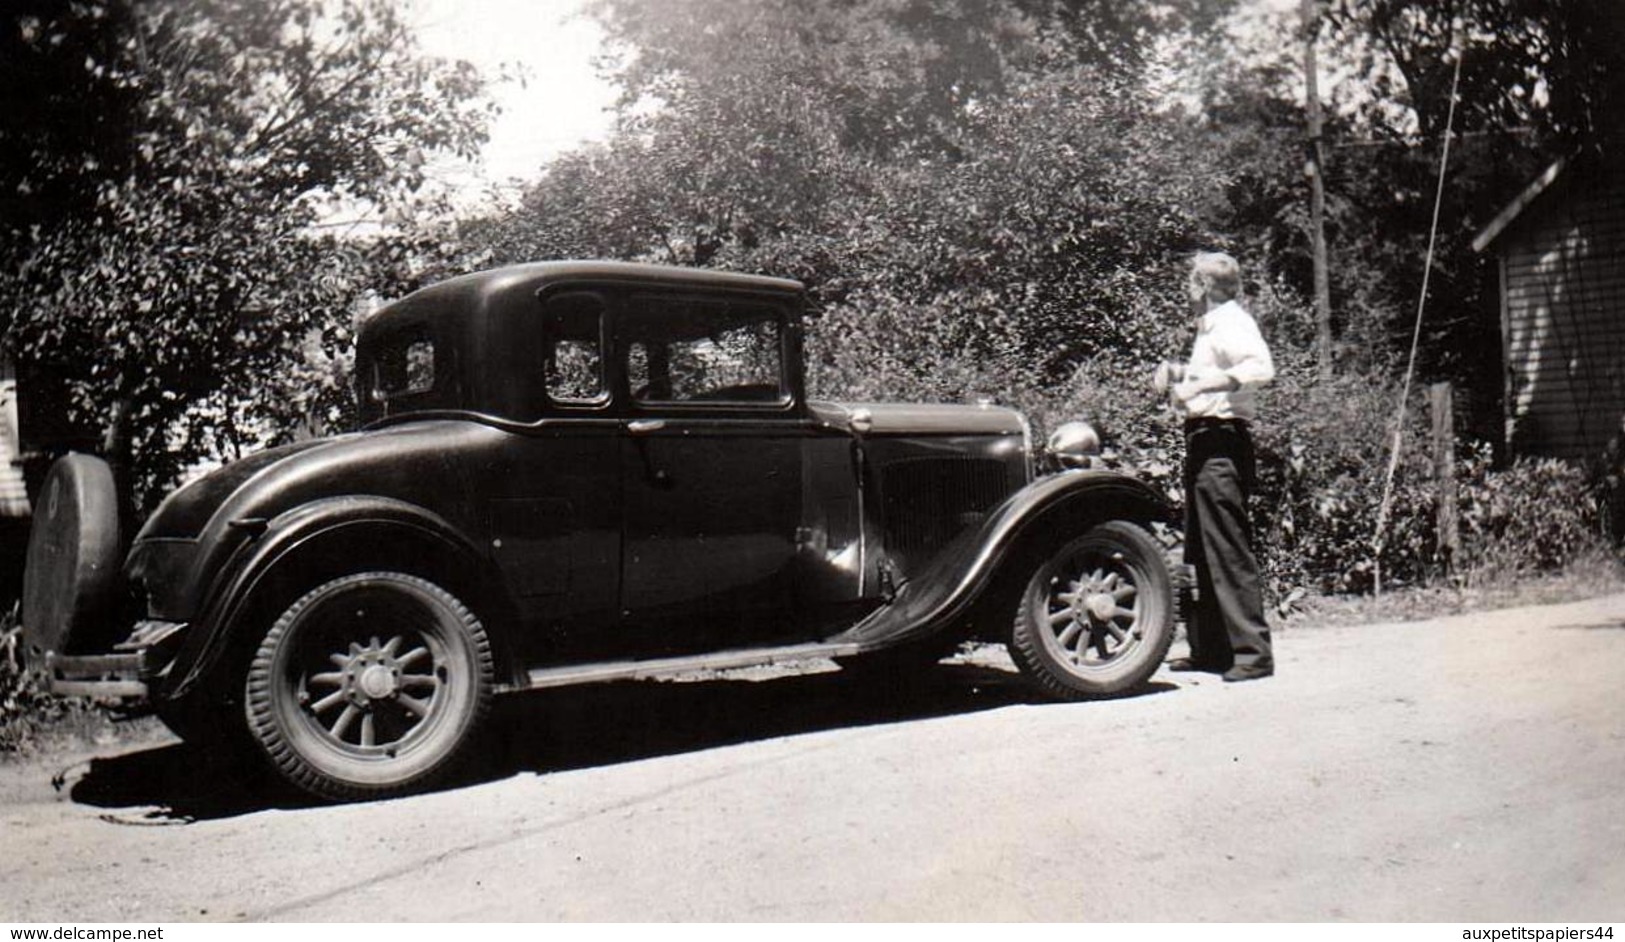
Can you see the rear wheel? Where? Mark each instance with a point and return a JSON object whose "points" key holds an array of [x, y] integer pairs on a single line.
{"points": [[1096, 618], [370, 685]]}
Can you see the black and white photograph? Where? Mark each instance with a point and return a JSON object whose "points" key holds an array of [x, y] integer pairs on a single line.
{"points": [[1157, 463]]}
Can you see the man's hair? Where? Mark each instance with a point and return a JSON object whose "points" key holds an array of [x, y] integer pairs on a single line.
{"points": [[1217, 274]]}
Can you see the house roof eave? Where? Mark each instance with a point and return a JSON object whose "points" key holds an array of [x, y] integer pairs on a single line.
{"points": [[1514, 209]]}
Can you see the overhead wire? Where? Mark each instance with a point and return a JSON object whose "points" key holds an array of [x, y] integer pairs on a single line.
{"points": [[1378, 538]]}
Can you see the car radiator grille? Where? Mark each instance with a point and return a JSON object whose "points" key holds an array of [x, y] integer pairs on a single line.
{"points": [[928, 500]]}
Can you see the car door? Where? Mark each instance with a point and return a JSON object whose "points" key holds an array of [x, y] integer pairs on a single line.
{"points": [[711, 465], [554, 503]]}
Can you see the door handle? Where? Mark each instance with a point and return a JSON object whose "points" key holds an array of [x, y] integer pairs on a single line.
{"points": [[657, 477]]}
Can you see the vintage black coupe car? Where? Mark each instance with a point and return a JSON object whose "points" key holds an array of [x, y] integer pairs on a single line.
{"points": [[576, 472]]}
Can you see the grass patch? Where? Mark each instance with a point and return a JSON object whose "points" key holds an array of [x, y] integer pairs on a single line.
{"points": [[1591, 575], [33, 721]]}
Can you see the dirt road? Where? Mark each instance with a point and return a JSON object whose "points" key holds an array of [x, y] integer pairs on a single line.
{"points": [[1466, 769]]}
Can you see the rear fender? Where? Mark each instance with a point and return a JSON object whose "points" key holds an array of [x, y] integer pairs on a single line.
{"points": [[980, 562], [323, 540]]}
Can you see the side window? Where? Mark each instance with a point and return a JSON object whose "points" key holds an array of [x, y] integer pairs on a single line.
{"points": [[681, 351], [404, 367], [573, 362]]}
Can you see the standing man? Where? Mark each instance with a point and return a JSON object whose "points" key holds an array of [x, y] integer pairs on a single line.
{"points": [[1216, 391]]}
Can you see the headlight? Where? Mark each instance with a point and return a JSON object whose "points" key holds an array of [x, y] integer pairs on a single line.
{"points": [[1072, 444]]}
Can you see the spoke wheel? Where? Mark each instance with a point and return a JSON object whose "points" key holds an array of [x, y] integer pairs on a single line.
{"points": [[369, 685], [1097, 616]]}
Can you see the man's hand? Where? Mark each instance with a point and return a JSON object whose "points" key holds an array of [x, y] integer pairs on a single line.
{"points": [[1195, 384], [1168, 373]]}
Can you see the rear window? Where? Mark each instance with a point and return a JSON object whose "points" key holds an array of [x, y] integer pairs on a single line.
{"points": [[404, 365]]}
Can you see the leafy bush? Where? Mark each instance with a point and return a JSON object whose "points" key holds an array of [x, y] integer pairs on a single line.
{"points": [[1323, 456], [1324, 452], [1539, 514], [1323, 447]]}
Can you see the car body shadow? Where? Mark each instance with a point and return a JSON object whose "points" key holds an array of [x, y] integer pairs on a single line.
{"points": [[574, 728]]}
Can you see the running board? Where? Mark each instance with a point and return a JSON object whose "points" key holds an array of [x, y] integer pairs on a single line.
{"points": [[608, 672]]}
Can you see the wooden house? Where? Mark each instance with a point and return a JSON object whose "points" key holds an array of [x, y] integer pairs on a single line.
{"points": [[1561, 252]]}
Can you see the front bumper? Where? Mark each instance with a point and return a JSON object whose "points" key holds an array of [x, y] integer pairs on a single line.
{"points": [[126, 673]]}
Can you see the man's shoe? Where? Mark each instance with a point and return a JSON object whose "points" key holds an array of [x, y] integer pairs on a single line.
{"points": [[1257, 670], [1182, 665]]}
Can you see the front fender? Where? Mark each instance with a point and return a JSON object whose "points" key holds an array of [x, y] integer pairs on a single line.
{"points": [[364, 531], [968, 568]]}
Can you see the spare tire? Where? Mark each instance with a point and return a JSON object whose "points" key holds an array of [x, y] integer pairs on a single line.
{"points": [[72, 575]]}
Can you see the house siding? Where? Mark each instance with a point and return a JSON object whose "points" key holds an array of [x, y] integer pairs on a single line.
{"points": [[13, 495], [1563, 317]]}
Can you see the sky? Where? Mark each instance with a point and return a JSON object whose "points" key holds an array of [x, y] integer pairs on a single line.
{"points": [[560, 103]]}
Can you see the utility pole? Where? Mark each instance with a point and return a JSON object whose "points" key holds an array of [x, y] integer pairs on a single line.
{"points": [[1315, 171]]}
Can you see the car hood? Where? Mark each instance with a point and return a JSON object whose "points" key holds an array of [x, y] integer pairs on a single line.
{"points": [[895, 418]]}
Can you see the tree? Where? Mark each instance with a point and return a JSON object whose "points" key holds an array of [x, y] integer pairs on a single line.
{"points": [[1551, 68], [66, 125], [175, 255], [895, 75], [961, 183], [1539, 79]]}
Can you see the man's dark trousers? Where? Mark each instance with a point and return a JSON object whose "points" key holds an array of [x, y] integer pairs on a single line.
{"points": [[1228, 626]]}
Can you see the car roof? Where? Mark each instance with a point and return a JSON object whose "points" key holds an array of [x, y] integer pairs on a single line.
{"points": [[480, 316], [476, 289]]}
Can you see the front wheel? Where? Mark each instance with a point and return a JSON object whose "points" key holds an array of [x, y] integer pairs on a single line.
{"points": [[1096, 619], [369, 685]]}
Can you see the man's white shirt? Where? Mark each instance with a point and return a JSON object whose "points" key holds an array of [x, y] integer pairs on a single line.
{"points": [[1228, 341]]}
